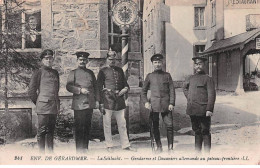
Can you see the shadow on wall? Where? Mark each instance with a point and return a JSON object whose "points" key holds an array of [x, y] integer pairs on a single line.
{"points": [[179, 52]]}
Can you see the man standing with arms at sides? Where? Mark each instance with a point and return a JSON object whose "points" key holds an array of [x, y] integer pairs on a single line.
{"points": [[43, 91], [199, 89], [112, 85], [162, 100], [82, 83]]}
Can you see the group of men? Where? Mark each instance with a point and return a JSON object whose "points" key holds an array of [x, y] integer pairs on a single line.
{"points": [[106, 93]]}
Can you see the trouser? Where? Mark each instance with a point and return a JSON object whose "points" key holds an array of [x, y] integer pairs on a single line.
{"points": [[201, 127], [121, 122], [82, 120], [46, 126], [168, 120]]}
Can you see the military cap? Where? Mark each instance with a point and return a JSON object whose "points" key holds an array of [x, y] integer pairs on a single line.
{"points": [[199, 58], [82, 54], [111, 53], [46, 53], [156, 57]]}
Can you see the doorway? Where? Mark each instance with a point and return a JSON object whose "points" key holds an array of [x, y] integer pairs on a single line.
{"points": [[251, 75]]}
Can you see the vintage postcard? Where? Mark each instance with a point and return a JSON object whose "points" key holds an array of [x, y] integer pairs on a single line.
{"points": [[129, 82]]}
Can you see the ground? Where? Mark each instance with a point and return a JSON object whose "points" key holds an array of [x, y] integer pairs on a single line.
{"points": [[235, 140]]}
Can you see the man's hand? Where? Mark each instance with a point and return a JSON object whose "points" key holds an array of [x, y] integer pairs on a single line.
{"points": [[97, 105], [209, 114], [102, 109], [171, 107], [84, 91], [123, 91], [148, 106]]}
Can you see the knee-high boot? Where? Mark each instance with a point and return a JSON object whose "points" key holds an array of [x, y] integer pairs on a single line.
{"points": [[207, 143], [198, 143], [170, 137], [49, 139], [158, 140], [41, 134]]}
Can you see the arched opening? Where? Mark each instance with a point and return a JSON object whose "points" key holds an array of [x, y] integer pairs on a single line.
{"points": [[251, 71]]}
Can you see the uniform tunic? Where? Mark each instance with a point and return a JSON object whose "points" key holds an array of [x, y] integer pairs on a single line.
{"points": [[162, 90], [44, 89], [110, 81], [82, 78], [200, 92]]}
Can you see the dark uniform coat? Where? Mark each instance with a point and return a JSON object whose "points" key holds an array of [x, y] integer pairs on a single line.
{"points": [[44, 89], [82, 78], [162, 90], [199, 89], [111, 80]]}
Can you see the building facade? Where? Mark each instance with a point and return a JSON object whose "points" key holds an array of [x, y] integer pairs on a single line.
{"points": [[68, 26], [188, 28], [233, 58]]}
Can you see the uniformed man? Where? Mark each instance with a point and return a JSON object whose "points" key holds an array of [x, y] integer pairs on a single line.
{"points": [[200, 91], [82, 83], [113, 85], [162, 100], [43, 91]]}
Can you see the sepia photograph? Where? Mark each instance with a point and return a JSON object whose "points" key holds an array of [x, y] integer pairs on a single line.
{"points": [[129, 82]]}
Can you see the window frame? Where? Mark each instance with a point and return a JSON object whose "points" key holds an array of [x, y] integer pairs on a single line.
{"points": [[200, 7], [23, 11], [111, 25], [213, 13]]}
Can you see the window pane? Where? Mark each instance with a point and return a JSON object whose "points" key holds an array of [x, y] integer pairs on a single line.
{"points": [[14, 30], [213, 19], [201, 16], [199, 49], [116, 29], [33, 30], [196, 17]]}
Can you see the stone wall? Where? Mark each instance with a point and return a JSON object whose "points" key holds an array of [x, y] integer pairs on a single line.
{"points": [[82, 25], [69, 26]]}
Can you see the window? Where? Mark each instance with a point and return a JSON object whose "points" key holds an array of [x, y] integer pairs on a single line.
{"points": [[198, 49], [13, 35], [33, 30], [199, 16], [114, 31], [23, 30], [213, 13]]}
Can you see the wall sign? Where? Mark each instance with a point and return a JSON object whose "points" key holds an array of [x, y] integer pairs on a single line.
{"points": [[257, 43], [242, 4], [125, 13]]}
